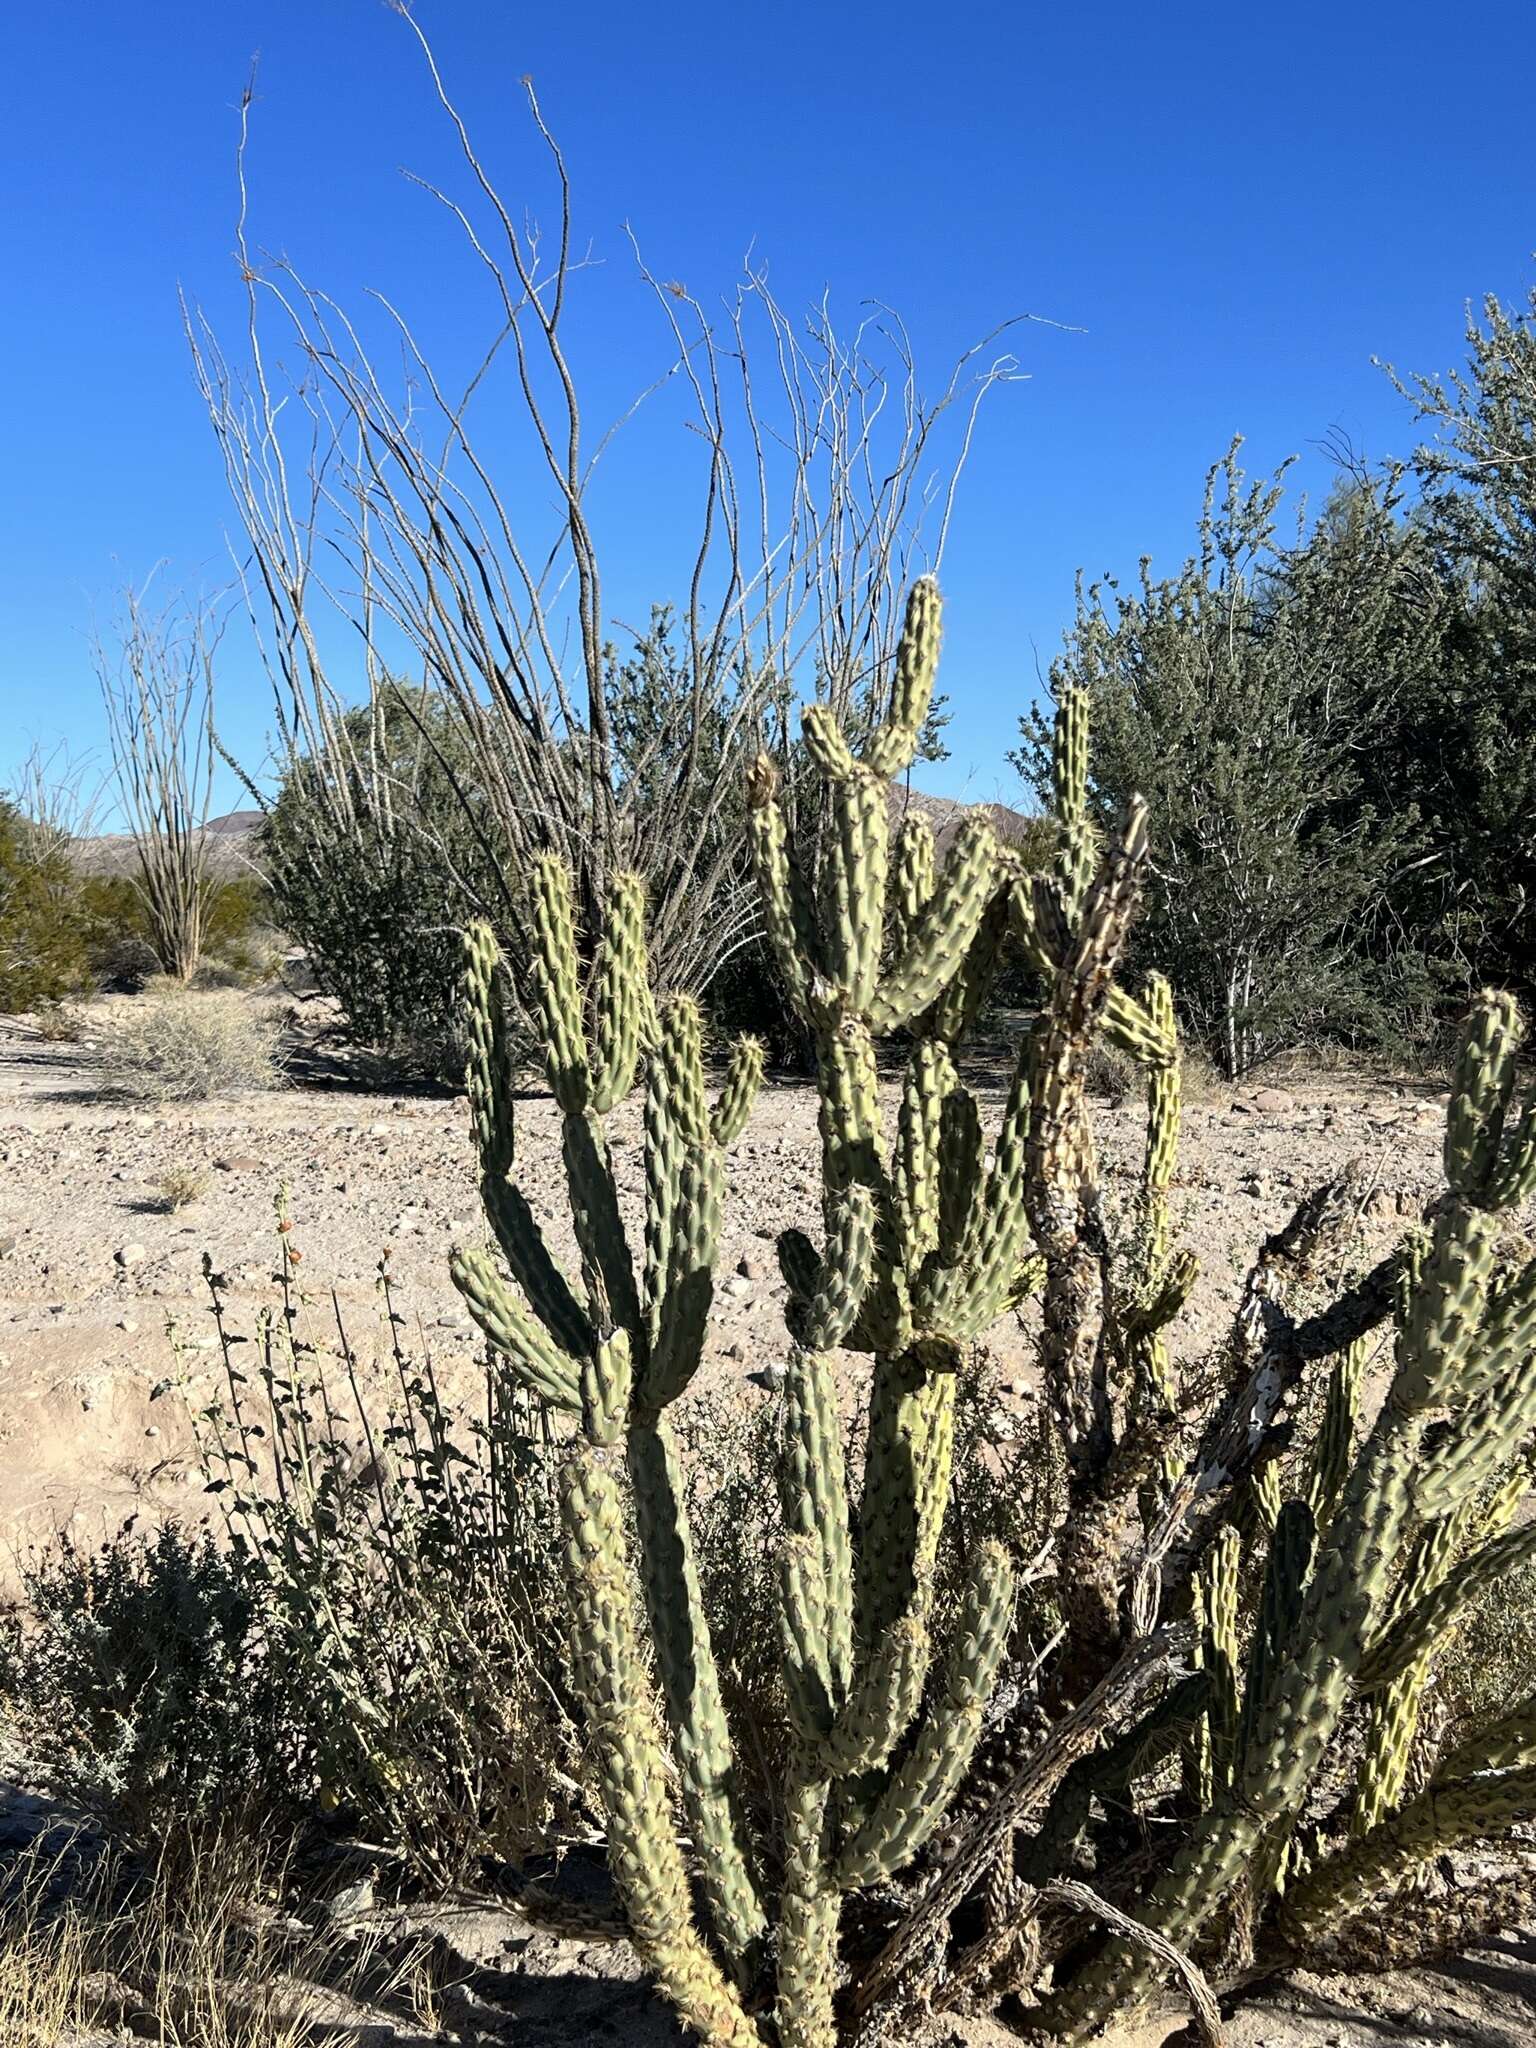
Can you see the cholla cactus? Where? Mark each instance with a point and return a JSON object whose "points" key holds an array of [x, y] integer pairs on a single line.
{"points": [[1320, 1587], [1387, 1576], [925, 1242]]}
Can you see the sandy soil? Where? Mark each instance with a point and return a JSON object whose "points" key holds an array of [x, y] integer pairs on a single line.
{"points": [[95, 1274], [94, 1268]]}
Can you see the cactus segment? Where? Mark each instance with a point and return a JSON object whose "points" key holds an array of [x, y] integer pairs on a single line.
{"points": [[738, 1092], [1442, 1817], [642, 1843], [488, 1072], [814, 1490], [912, 878], [1335, 1447], [808, 1913], [893, 744], [918, 1794], [690, 1686], [943, 933], [1285, 1578], [534, 1356], [557, 987], [1481, 1088], [619, 994], [787, 915], [534, 1268], [1426, 1619]]}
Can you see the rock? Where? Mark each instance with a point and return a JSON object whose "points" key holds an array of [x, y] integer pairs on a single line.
{"points": [[127, 1323], [737, 1351], [352, 1898], [772, 1377], [129, 1255], [7, 1244], [238, 1163], [737, 1287], [1273, 1101], [749, 1268]]}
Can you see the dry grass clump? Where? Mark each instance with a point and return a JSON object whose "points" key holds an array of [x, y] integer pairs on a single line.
{"points": [[184, 1045], [54, 1024], [180, 1186], [197, 1953]]}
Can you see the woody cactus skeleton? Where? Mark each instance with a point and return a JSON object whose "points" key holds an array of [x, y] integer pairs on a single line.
{"points": [[929, 1233]]}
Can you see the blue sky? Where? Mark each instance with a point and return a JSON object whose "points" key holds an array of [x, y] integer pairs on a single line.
{"points": [[1238, 207]]}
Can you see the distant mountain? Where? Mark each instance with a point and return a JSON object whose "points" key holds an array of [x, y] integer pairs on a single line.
{"points": [[233, 836], [231, 849], [945, 812]]}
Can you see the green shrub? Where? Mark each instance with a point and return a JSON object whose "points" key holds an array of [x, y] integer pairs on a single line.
{"points": [[375, 868], [44, 927], [120, 947], [133, 1677]]}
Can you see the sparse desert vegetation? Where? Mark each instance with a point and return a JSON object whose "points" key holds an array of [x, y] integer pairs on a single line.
{"points": [[656, 1386]]}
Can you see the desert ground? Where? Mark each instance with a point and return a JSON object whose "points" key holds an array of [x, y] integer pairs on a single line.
{"points": [[103, 1301]]}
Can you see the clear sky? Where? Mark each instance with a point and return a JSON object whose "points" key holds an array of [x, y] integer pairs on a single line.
{"points": [[1239, 207]]}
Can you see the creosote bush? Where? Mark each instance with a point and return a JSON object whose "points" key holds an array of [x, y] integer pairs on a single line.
{"points": [[44, 931], [1246, 1579]]}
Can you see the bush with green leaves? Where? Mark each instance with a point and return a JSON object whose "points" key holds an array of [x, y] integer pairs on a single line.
{"points": [[236, 920], [376, 850], [1246, 697], [1467, 755], [45, 928], [135, 1677]]}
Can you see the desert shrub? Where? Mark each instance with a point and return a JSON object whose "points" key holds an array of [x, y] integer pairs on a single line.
{"points": [[183, 1045], [1245, 698], [405, 1560], [191, 1950], [44, 927], [133, 1676], [56, 1024], [181, 1185], [373, 1639], [1494, 1658], [120, 938], [1110, 1072], [375, 867]]}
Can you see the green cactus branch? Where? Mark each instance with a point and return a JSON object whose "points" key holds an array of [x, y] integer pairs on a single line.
{"points": [[1323, 1578]]}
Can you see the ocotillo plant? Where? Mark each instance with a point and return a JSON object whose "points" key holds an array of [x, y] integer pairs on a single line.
{"points": [[1311, 1586]]}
